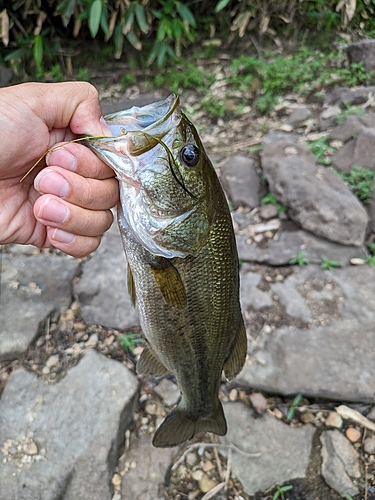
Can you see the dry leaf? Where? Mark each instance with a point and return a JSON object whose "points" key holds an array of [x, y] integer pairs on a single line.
{"points": [[349, 414]]}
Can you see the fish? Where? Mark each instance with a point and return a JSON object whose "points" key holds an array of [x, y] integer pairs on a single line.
{"points": [[183, 269]]}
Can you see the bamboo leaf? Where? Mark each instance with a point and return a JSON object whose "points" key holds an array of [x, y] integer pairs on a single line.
{"points": [[94, 17], [38, 50], [141, 18], [186, 14], [134, 40], [221, 5]]}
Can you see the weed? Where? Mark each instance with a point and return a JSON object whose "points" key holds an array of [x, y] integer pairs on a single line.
{"points": [[322, 150], [127, 80], [296, 401], [214, 106], [129, 341], [347, 496], [271, 200], [56, 73], [348, 111], [328, 263], [280, 490], [361, 182], [371, 258], [300, 260], [256, 149], [83, 75]]}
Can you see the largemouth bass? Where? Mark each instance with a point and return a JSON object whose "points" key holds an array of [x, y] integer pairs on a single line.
{"points": [[183, 267]]}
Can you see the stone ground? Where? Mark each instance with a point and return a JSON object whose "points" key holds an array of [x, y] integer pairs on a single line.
{"points": [[75, 420]]}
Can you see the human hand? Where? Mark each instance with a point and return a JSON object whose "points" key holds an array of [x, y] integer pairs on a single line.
{"points": [[66, 205]]}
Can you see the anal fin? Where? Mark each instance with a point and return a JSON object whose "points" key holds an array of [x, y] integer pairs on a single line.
{"points": [[235, 361], [170, 284], [150, 364]]}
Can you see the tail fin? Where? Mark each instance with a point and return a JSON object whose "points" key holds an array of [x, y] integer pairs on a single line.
{"points": [[179, 426]]}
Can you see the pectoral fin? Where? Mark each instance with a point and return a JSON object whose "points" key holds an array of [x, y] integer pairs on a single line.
{"points": [[131, 286], [234, 363], [170, 284], [150, 364]]}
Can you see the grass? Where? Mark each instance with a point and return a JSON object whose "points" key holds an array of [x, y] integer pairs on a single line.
{"points": [[296, 401], [300, 260], [329, 264], [322, 150], [280, 490], [361, 182], [270, 199], [305, 71], [129, 341]]}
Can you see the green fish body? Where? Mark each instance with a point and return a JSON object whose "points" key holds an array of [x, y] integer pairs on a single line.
{"points": [[183, 267]]}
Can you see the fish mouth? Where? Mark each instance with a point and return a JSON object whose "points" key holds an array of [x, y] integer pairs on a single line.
{"points": [[147, 118]]}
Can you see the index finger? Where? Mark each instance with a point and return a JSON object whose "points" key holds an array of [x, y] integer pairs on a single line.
{"points": [[80, 159]]}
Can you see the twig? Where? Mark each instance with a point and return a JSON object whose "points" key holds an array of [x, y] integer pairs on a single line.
{"points": [[212, 445], [217, 458], [349, 414], [229, 466]]}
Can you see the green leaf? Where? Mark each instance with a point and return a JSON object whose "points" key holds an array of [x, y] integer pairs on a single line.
{"points": [[118, 41], [221, 5], [38, 50], [186, 14], [134, 40], [94, 17], [16, 54], [141, 18], [104, 20]]}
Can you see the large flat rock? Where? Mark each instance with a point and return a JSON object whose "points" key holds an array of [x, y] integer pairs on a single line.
{"points": [[334, 362], [62, 440], [32, 287], [102, 290], [283, 451], [326, 347]]}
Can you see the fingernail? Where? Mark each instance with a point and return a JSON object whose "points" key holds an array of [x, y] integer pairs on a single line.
{"points": [[50, 182], [62, 236], [106, 130], [61, 157], [53, 211]]}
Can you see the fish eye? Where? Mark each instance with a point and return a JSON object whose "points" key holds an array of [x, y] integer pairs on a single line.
{"points": [[189, 155]]}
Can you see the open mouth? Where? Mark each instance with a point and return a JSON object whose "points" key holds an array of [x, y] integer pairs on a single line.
{"points": [[147, 118]]}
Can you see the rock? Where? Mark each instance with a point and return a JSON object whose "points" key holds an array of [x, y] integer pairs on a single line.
{"points": [[317, 198], [92, 341], [283, 450], [79, 422], [362, 51], [5, 76], [364, 150], [334, 420], [369, 445], [351, 127], [371, 414], [344, 97], [299, 115], [343, 159], [283, 364], [250, 295], [143, 480], [276, 136], [52, 360], [340, 462], [37, 286], [258, 402], [353, 434], [328, 117], [206, 483], [241, 181], [280, 251], [168, 392], [102, 289], [268, 212]]}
